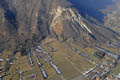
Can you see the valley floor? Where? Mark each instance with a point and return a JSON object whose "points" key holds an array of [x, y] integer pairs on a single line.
{"points": [[63, 61]]}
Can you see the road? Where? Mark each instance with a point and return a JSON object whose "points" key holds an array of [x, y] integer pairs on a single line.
{"points": [[62, 77], [79, 78], [73, 65]]}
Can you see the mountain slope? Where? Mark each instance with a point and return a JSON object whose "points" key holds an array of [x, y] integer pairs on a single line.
{"points": [[30, 21], [112, 18]]}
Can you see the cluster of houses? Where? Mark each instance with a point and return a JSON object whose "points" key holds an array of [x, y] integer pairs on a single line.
{"points": [[49, 58], [103, 71], [30, 58], [40, 52]]}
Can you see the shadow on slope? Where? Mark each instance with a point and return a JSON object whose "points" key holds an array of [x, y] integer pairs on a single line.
{"points": [[9, 15]]}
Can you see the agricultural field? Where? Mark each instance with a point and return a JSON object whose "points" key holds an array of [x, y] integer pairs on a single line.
{"points": [[62, 55]]}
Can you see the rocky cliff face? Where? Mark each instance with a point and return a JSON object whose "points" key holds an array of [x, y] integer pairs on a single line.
{"points": [[24, 21]]}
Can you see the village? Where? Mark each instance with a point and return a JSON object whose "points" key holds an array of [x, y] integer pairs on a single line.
{"points": [[38, 56], [102, 71], [39, 52]]}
